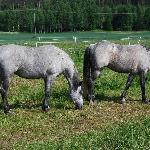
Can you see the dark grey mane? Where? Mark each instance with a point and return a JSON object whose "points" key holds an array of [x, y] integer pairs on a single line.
{"points": [[147, 48], [76, 80]]}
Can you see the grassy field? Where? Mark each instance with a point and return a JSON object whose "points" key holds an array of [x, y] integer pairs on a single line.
{"points": [[16, 37], [106, 126]]}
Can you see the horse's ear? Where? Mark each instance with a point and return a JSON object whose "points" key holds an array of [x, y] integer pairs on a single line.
{"points": [[80, 83]]}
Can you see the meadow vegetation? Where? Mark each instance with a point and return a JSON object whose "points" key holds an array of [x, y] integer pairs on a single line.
{"points": [[74, 15], [106, 126]]}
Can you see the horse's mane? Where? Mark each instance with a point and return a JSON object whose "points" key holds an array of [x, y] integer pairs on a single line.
{"points": [[147, 48], [76, 80]]}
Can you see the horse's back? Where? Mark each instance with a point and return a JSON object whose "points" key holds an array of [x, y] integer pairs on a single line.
{"points": [[32, 62], [52, 55], [11, 57], [43, 61], [10, 49], [129, 58], [100, 53], [51, 52], [120, 58]]}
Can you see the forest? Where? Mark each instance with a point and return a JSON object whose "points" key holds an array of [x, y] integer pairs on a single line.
{"points": [[45, 16]]}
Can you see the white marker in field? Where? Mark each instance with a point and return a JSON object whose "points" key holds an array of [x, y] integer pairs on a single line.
{"points": [[75, 39]]}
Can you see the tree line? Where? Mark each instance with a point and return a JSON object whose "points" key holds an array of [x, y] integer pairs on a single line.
{"points": [[73, 15]]}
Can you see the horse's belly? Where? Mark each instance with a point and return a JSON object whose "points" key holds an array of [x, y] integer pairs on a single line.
{"points": [[122, 68], [30, 74]]}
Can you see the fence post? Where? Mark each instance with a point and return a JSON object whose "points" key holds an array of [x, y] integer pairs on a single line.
{"points": [[75, 39]]}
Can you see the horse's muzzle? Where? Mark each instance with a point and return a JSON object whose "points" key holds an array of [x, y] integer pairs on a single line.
{"points": [[78, 105]]}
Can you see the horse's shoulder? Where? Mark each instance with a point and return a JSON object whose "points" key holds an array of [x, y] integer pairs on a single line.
{"points": [[145, 48], [48, 48], [13, 47], [52, 52], [135, 50]]}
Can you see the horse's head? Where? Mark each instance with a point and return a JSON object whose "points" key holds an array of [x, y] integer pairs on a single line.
{"points": [[76, 96]]}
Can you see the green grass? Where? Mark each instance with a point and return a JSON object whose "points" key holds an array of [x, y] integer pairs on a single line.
{"points": [[26, 38], [131, 135], [108, 125]]}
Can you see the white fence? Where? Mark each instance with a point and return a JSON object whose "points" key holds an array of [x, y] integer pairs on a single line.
{"points": [[45, 43]]}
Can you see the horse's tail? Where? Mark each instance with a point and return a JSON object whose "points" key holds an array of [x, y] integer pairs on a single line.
{"points": [[86, 71]]}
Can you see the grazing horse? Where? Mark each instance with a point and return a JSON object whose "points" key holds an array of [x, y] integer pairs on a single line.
{"points": [[45, 62], [132, 59]]}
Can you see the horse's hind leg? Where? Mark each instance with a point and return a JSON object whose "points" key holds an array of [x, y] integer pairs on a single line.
{"points": [[4, 94], [142, 83], [94, 75], [128, 84], [48, 83]]}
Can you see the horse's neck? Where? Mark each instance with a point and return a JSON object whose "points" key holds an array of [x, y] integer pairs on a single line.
{"points": [[73, 79]]}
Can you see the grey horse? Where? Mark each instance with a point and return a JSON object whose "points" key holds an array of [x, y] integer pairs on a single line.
{"points": [[45, 62], [132, 59]]}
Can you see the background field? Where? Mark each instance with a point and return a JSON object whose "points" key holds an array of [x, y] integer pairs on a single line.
{"points": [[15, 37], [108, 125]]}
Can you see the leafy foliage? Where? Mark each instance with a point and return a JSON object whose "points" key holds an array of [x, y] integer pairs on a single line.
{"points": [[67, 15]]}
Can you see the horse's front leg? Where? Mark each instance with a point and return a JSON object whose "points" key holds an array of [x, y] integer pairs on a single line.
{"points": [[128, 84], [94, 75], [48, 81], [4, 94], [142, 84]]}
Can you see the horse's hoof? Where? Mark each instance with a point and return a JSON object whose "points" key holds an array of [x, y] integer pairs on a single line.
{"points": [[78, 106], [122, 101], [93, 102], [45, 108], [91, 97], [9, 112], [145, 101]]}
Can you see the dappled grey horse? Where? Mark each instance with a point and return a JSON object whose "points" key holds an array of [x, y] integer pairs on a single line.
{"points": [[132, 59], [45, 62]]}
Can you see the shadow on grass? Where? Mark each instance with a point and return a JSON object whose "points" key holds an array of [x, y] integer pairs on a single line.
{"points": [[58, 100], [22, 106], [39, 106], [61, 101], [115, 99], [102, 97]]}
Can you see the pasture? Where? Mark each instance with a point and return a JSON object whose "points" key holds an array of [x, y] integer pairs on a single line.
{"points": [[107, 125], [85, 37]]}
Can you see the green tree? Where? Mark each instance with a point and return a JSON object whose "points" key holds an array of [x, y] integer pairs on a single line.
{"points": [[40, 21], [67, 16], [78, 15], [107, 24], [49, 16], [3, 21], [63, 14], [73, 15], [147, 19], [100, 18], [123, 20], [10, 21], [139, 21], [89, 10], [26, 20]]}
